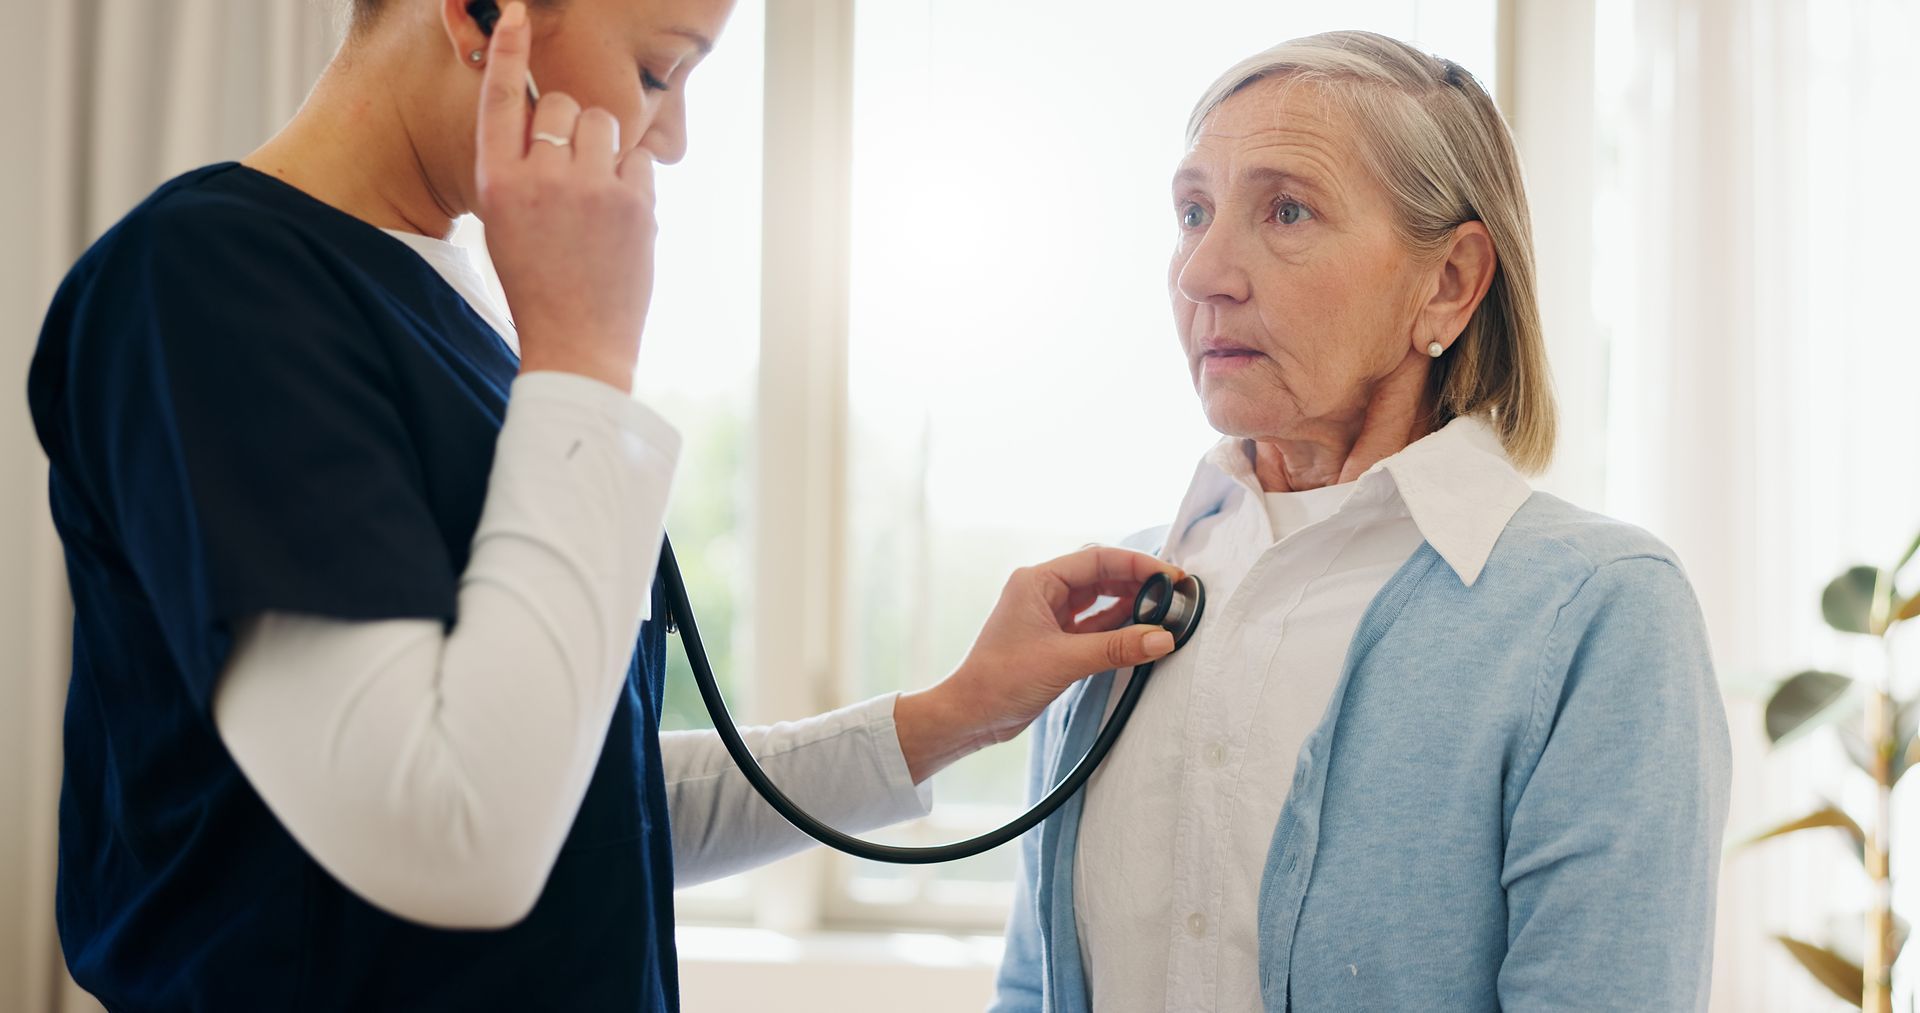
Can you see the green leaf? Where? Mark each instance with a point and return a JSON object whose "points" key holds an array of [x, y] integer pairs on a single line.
{"points": [[1842, 928], [1908, 555], [1806, 700], [1906, 738], [1905, 759], [1848, 602], [1831, 816], [1911, 607], [1841, 976]]}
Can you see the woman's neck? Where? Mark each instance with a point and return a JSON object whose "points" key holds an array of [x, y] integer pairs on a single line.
{"points": [[1328, 451], [357, 145]]}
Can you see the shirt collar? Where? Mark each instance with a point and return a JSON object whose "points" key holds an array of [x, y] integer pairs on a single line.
{"points": [[1457, 484]]}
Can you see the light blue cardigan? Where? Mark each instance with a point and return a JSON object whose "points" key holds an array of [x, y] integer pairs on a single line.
{"points": [[1514, 801]]}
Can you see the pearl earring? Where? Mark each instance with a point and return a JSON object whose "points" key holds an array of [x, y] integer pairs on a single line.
{"points": [[477, 55], [1435, 349]]}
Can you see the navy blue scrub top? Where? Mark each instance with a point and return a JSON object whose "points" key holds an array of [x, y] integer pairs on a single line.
{"points": [[253, 401]]}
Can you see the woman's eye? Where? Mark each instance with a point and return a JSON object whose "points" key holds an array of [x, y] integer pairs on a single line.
{"points": [[651, 83], [1193, 216], [1291, 212]]}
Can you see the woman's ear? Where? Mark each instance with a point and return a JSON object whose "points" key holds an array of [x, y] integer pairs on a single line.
{"points": [[1465, 272]]}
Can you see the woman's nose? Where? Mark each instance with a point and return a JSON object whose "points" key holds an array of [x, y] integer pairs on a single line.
{"points": [[666, 136], [1212, 272]]}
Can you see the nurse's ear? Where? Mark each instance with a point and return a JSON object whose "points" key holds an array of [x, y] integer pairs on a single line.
{"points": [[468, 23]]}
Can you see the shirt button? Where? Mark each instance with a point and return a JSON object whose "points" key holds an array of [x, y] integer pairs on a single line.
{"points": [[1197, 924], [1216, 754]]}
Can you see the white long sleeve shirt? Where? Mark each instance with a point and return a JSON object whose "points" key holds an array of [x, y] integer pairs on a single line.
{"points": [[437, 773], [1178, 821]]}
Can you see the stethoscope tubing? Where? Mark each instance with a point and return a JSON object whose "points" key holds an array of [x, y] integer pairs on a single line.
{"points": [[681, 616]]}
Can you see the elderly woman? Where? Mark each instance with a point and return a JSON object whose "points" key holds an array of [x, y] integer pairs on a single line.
{"points": [[1442, 743]]}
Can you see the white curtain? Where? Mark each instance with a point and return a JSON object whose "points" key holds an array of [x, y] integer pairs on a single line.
{"points": [[105, 99], [1754, 283]]}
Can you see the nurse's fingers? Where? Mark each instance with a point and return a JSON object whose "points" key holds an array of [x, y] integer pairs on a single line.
{"points": [[636, 170], [1100, 566], [1084, 598], [1110, 617], [596, 140], [502, 128], [554, 122]]}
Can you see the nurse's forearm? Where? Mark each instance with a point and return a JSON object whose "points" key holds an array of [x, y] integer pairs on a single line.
{"points": [[935, 730], [844, 767], [1040, 638], [436, 773]]}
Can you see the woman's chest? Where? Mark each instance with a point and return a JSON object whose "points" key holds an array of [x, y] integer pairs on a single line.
{"points": [[1178, 823]]}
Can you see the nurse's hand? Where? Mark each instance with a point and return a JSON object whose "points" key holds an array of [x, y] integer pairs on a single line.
{"points": [[570, 226], [1030, 650]]}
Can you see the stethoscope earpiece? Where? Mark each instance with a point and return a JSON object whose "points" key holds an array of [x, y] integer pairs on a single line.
{"points": [[1173, 606], [485, 14]]}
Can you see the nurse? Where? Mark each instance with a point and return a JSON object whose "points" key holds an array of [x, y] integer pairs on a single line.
{"points": [[367, 661]]}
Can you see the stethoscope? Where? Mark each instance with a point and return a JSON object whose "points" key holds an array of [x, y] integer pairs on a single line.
{"points": [[1173, 606], [1176, 607]]}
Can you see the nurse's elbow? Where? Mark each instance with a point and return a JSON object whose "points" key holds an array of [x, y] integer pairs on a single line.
{"points": [[442, 865], [487, 907], [460, 894]]}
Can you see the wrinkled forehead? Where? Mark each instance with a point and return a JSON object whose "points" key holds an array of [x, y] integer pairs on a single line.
{"points": [[1284, 123]]}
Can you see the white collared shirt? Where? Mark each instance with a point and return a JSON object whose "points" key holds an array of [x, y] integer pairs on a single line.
{"points": [[1178, 821]]}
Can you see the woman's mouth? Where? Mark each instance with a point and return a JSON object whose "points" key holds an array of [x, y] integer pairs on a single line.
{"points": [[1222, 357]]}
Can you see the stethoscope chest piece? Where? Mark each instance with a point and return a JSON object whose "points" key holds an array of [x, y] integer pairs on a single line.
{"points": [[1175, 606]]}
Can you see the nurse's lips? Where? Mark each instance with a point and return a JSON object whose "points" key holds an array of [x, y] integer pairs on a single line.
{"points": [[1220, 356]]}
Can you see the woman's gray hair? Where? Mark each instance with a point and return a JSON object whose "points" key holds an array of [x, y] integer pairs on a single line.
{"points": [[1433, 137]]}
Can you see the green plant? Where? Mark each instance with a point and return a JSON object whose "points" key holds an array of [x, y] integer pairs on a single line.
{"points": [[1883, 743]]}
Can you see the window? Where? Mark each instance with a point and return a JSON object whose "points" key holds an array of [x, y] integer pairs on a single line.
{"points": [[699, 364], [699, 367]]}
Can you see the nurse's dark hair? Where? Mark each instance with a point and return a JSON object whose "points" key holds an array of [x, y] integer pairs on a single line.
{"points": [[361, 14]]}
